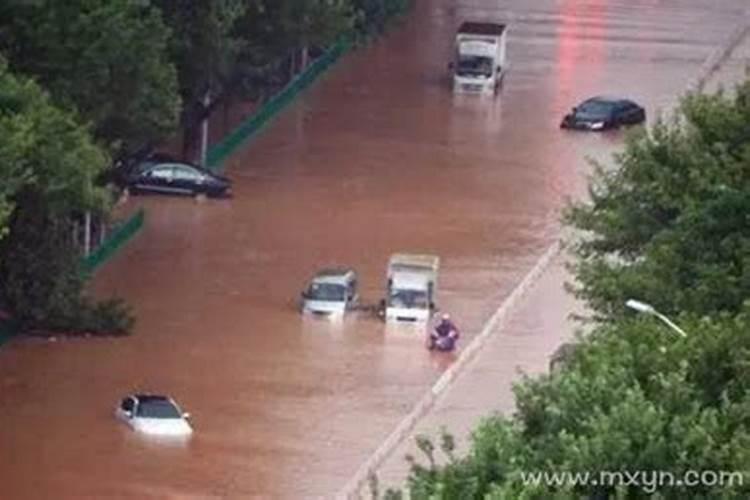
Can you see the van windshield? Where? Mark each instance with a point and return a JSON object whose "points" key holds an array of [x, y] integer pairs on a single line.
{"points": [[326, 292], [409, 299]]}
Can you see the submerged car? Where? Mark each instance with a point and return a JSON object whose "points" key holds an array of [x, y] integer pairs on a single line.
{"points": [[603, 113], [155, 175], [331, 291], [154, 415]]}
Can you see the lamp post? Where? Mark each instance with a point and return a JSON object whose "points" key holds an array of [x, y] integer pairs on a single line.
{"points": [[642, 307]]}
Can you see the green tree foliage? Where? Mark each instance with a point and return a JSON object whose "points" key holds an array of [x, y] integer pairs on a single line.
{"points": [[206, 48], [206, 42], [48, 165], [315, 22], [232, 48], [630, 399], [42, 280], [286, 26], [669, 224], [373, 15], [105, 58], [44, 149]]}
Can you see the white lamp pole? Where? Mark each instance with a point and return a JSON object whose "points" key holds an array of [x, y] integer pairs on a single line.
{"points": [[649, 309]]}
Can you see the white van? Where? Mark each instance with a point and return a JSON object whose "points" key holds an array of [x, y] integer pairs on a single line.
{"points": [[331, 291]]}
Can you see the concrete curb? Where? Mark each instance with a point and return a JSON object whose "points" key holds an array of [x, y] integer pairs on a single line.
{"points": [[714, 61], [354, 486]]}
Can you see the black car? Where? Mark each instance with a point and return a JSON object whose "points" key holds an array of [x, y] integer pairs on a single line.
{"points": [[172, 177], [602, 113]]}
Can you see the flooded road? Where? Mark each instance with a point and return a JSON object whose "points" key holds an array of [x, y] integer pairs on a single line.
{"points": [[378, 157]]}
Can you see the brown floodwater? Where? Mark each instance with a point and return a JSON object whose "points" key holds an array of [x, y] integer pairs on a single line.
{"points": [[378, 157]]}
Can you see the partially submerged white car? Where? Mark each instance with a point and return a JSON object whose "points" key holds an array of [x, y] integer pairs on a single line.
{"points": [[332, 291], [154, 415]]}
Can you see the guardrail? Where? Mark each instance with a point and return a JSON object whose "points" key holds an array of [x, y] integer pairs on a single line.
{"points": [[8, 328], [116, 240]]}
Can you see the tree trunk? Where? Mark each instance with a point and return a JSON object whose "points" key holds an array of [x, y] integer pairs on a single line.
{"points": [[87, 234], [204, 128], [304, 57]]}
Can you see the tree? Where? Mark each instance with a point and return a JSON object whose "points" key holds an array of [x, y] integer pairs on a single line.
{"points": [[105, 58], [221, 47], [292, 27], [373, 15], [49, 166], [43, 148], [205, 43], [205, 47], [631, 399], [315, 23], [669, 224]]}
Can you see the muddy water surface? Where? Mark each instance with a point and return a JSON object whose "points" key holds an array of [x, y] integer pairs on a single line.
{"points": [[379, 157]]}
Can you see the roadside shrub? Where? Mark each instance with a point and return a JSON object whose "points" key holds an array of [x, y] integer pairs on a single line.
{"points": [[41, 280]]}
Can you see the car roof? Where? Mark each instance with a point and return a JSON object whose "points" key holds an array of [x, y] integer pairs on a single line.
{"points": [[476, 28], [148, 164], [609, 99], [338, 275]]}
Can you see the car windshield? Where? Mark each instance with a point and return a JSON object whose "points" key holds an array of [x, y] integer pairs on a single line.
{"points": [[157, 408], [595, 109], [474, 66], [326, 291], [410, 299]]}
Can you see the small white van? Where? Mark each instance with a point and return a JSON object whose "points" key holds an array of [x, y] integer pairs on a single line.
{"points": [[331, 291]]}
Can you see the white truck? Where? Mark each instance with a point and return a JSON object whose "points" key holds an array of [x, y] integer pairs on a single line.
{"points": [[479, 64], [411, 288]]}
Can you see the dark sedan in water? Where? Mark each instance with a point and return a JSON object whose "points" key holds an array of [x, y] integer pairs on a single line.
{"points": [[603, 113], [173, 177]]}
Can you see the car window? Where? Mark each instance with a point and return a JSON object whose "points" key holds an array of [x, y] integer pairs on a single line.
{"points": [[629, 107], [157, 408], [162, 172], [185, 173], [326, 292], [595, 108]]}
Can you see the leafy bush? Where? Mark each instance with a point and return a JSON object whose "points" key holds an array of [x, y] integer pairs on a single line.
{"points": [[41, 279]]}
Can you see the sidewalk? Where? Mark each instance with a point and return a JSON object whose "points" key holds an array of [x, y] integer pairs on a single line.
{"points": [[732, 70], [535, 328], [523, 345]]}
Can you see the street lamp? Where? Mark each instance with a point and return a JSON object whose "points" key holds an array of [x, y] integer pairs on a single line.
{"points": [[649, 309]]}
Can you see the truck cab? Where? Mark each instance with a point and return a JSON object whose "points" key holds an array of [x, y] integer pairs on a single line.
{"points": [[411, 287], [332, 291], [479, 64]]}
